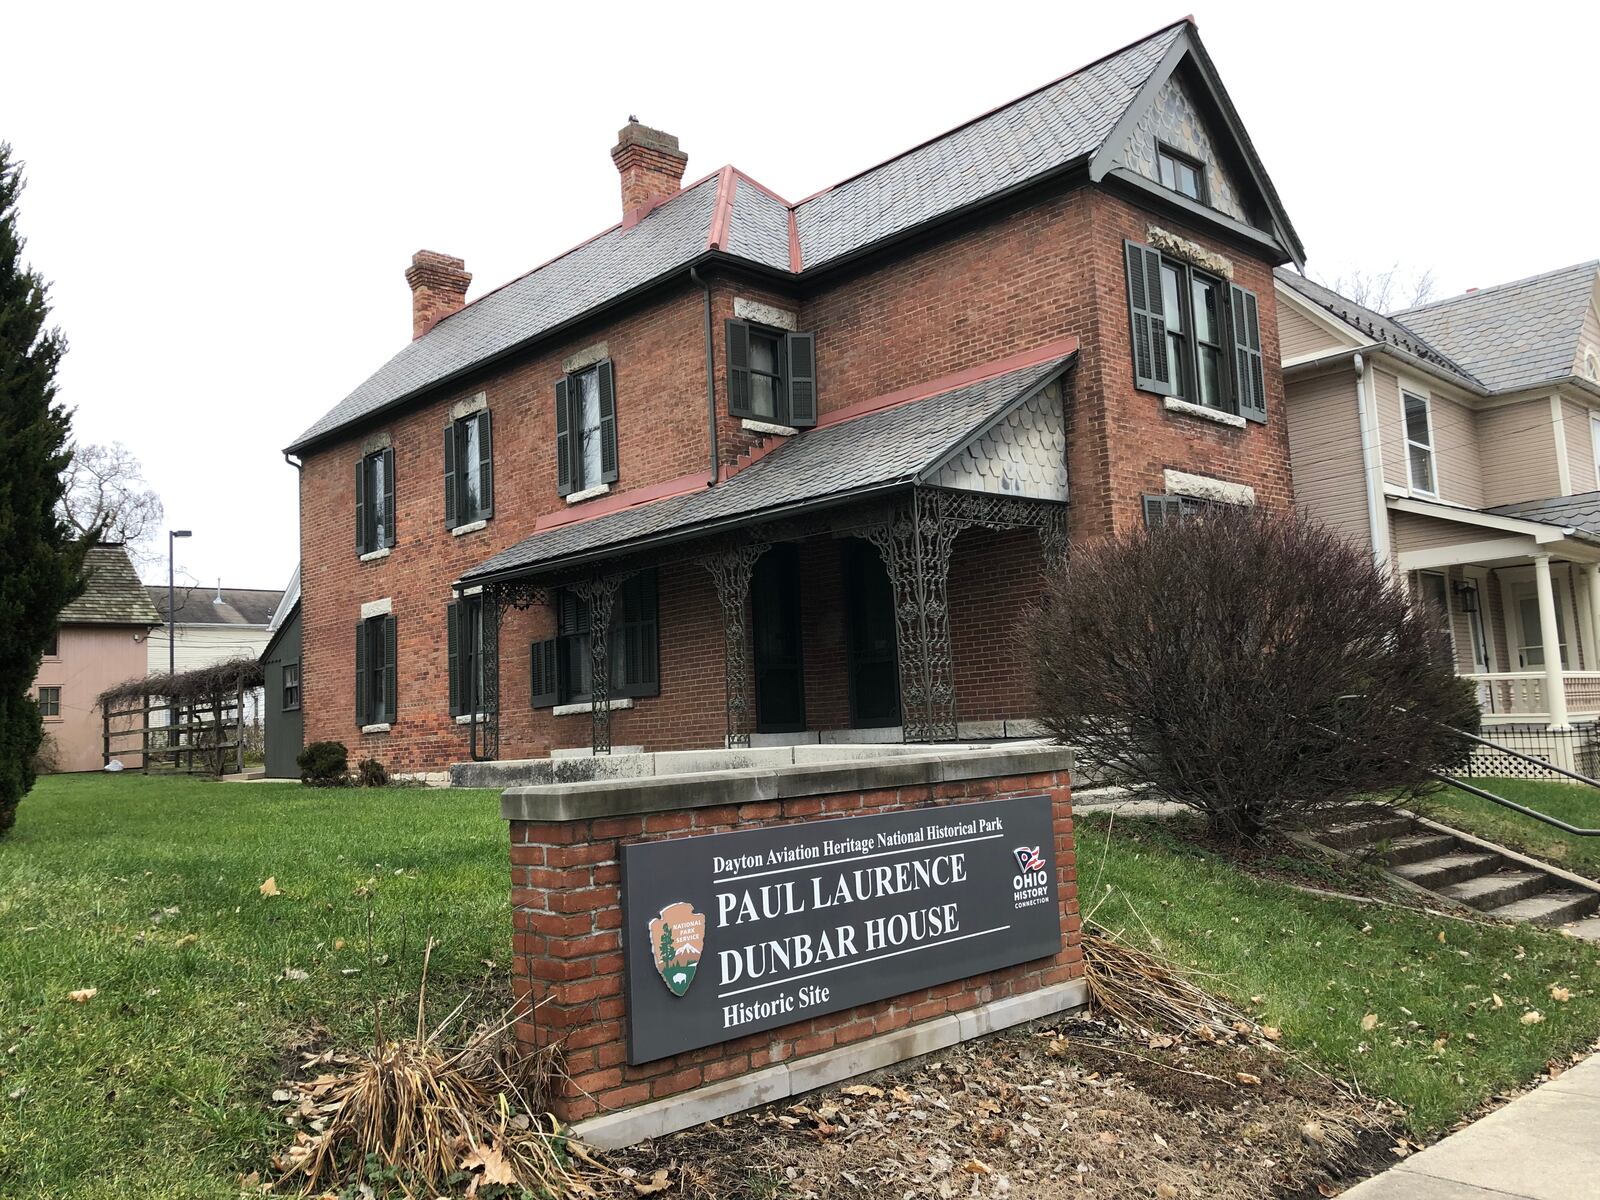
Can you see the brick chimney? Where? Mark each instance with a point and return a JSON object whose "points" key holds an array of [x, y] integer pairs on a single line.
{"points": [[438, 288], [651, 166]]}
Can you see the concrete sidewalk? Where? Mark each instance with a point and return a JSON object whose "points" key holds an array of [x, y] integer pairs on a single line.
{"points": [[1542, 1146]]}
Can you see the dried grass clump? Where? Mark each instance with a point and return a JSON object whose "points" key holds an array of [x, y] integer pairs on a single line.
{"points": [[1149, 994]]}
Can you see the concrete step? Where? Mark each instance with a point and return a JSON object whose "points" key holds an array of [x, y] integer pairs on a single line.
{"points": [[1588, 929], [1549, 908], [1498, 889], [1366, 832], [1415, 847], [1449, 869]]}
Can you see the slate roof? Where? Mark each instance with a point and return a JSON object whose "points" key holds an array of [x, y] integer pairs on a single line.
{"points": [[985, 158], [874, 452], [200, 606], [112, 593], [1372, 324], [1581, 511], [1515, 335]]}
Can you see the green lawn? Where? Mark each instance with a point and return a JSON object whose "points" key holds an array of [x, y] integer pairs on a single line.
{"points": [[158, 1086], [1570, 802], [1323, 966]]}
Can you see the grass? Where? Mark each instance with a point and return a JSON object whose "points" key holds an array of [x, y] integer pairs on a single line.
{"points": [[159, 1085], [1323, 966], [1572, 803]]}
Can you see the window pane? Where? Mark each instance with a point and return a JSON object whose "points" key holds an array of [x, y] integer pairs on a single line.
{"points": [[1421, 468], [468, 452], [1210, 381], [764, 396], [378, 519], [1188, 181], [1417, 419], [1168, 178], [1170, 292], [765, 386], [589, 426], [1206, 324]]}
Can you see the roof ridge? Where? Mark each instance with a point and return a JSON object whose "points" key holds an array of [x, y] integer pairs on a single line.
{"points": [[1592, 264]]}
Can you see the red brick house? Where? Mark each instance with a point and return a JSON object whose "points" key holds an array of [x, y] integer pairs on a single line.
{"points": [[741, 470]]}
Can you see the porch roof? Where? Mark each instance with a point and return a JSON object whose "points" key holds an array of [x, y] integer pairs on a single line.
{"points": [[891, 444], [1580, 512]]}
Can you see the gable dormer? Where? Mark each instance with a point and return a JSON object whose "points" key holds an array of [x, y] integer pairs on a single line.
{"points": [[1172, 145]]}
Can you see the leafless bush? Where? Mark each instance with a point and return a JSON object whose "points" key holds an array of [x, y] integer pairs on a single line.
{"points": [[1260, 670]]}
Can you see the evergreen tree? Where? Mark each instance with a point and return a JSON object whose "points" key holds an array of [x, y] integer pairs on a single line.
{"points": [[43, 562]]}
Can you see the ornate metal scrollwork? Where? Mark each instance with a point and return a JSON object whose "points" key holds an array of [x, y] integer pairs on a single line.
{"points": [[598, 592], [483, 735], [731, 569]]}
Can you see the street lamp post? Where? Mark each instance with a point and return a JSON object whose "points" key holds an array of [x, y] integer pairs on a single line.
{"points": [[172, 620]]}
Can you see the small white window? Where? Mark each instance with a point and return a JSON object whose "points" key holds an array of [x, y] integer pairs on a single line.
{"points": [[1594, 442], [1419, 444]]}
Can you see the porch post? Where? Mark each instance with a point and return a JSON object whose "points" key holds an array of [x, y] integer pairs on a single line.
{"points": [[1591, 579], [599, 592], [731, 569], [1554, 684]]}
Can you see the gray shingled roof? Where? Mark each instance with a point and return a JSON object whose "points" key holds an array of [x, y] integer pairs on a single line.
{"points": [[877, 451], [1369, 323], [112, 593], [1022, 141], [1515, 335], [1581, 511], [199, 605]]}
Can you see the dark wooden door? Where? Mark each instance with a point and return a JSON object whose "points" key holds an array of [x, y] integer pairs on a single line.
{"points": [[780, 662], [874, 663]]}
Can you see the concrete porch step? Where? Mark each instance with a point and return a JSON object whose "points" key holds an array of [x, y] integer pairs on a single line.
{"points": [[1549, 908], [1367, 832], [1415, 847], [1496, 890], [1448, 869]]}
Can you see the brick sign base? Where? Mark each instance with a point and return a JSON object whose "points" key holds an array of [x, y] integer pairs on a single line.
{"points": [[568, 949]]}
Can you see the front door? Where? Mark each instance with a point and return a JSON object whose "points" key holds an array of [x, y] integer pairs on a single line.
{"points": [[874, 663], [780, 665]]}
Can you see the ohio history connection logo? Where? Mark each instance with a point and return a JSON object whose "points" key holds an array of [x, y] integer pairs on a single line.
{"points": [[1031, 884]]}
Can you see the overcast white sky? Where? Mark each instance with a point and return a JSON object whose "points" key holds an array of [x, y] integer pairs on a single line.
{"points": [[225, 196]]}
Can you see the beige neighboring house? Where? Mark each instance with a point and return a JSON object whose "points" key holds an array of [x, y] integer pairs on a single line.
{"points": [[100, 641], [214, 624], [1458, 441]]}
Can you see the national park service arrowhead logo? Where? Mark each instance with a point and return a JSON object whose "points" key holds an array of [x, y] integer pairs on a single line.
{"points": [[677, 938]]}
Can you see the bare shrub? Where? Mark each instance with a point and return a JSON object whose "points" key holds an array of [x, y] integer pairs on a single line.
{"points": [[1258, 669]]}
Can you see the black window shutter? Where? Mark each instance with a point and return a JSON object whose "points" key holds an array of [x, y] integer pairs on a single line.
{"points": [[1247, 355], [648, 657], [391, 697], [1162, 510], [361, 672], [608, 424], [1151, 371], [738, 333], [361, 505], [544, 674], [451, 517], [452, 637], [390, 521], [563, 439], [800, 352], [485, 468]]}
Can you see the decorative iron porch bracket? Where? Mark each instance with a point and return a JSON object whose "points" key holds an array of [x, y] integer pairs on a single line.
{"points": [[731, 569]]}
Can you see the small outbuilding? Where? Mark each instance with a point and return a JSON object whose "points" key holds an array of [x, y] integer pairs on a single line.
{"points": [[282, 714]]}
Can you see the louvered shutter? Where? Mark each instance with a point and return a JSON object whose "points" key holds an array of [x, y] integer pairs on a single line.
{"points": [[451, 517], [1151, 370], [391, 696], [1248, 375], [545, 689], [738, 335], [563, 438], [608, 424], [361, 673], [361, 506], [485, 468], [647, 659], [390, 523], [1162, 510], [800, 352], [452, 635]]}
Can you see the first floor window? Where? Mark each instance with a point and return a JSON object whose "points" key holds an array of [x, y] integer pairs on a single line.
{"points": [[1435, 592], [49, 702], [586, 428], [375, 502], [468, 471], [1170, 510], [1419, 444], [291, 686], [469, 649], [563, 666], [772, 375], [376, 702]]}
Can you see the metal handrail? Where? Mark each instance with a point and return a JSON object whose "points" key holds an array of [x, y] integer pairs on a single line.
{"points": [[1556, 822]]}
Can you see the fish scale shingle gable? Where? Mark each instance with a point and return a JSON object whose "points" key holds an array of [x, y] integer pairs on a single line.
{"points": [[1024, 140]]}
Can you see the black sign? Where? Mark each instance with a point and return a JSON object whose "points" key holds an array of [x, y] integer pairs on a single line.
{"points": [[730, 933]]}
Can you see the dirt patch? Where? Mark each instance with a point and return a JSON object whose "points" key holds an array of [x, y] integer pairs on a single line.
{"points": [[1073, 1108]]}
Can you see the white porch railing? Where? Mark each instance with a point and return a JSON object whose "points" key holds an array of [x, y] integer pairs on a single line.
{"points": [[1522, 693]]}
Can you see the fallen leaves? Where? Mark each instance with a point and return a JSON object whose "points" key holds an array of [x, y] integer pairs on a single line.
{"points": [[487, 1165], [270, 886], [83, 995], [1369, 1022], [1560, 994], [1247, 1079], [1532, 1017], [863, 1089], [659, 1181]]}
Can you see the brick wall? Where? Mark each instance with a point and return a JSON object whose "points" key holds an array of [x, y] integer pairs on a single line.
{"points": [[568, 949]]}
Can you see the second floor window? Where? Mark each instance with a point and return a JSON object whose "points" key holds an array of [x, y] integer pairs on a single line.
{"points": [[563, 666], [375, 502], [376, 676], [586, 429], [1419, 444], [291, 686], [772, 375], [468, 471], [1181, 173], [49, 702]]}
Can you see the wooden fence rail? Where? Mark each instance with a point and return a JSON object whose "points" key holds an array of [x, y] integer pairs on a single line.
{"points": [[204, 731]]}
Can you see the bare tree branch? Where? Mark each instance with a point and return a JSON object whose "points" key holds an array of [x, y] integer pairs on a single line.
{"points": [[106, 496], [1385, 291]]}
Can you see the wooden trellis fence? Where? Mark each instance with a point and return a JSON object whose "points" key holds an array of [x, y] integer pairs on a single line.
{"points": [[192, 722]]}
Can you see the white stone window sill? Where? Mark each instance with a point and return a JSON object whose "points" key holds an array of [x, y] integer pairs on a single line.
{"points": [[382, 727], [599, 489], [574, 710], [466, 718], [767, 427], [1174, 405], [470, 527], [375, 555]]}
